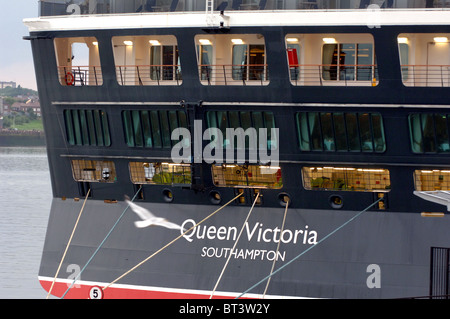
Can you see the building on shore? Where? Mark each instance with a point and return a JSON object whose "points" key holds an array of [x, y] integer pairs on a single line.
{"points": [[5, 84], [32, 104]]}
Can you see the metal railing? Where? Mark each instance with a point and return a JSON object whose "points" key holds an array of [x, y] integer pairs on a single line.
{"points": [[80, 75], [245, 74], [81, 7], [333, 74], [149, 74], [426, 75]]}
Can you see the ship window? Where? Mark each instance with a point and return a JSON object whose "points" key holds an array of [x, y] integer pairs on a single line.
{"points": [[152, 129], [248, 121], [78, 61], [87, 127], [247, 176], [293, 53], [147, 60], [94, 171], [249, 62], [432, 180], [342, 132], [349, 62], [429, 133], [159, 173], [346, 179]]}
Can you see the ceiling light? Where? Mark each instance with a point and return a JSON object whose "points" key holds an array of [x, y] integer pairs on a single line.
{"points": [[440, 39], [329, 40], [154, 42], [205, 41], [402, 40], [128, 42], [292, 40], [237, 41]]}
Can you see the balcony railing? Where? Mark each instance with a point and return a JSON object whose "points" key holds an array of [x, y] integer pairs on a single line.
{"points": [[149, 74], [333, 74], [63, 7], [426, 75], [245, 74], [80, 75]]}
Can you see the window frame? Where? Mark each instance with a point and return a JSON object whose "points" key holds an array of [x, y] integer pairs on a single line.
{"points": [[87, 127], [311, 137]]}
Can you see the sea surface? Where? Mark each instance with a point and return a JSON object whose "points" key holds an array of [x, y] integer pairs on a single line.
{"points": [[25, 200]]}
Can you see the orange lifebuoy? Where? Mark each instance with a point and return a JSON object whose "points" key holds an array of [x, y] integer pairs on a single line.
{"points": [[70, 79]]}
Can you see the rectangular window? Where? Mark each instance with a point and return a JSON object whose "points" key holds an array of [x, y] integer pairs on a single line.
{"points": [[429, 133], [78, 61], [343, 132], [349, 62], [432, 180], [293, 54], [247, 176], [245, 120], [346, 179], [159, 173], [87, 127], [249, 62], [152, 129], [164, 62], [94, 171]]}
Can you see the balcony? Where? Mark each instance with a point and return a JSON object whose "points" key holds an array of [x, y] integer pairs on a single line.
{"points": [[246, 74], [426, 75], [148, 74], [80, 75], [79, 7], [333, 75]]}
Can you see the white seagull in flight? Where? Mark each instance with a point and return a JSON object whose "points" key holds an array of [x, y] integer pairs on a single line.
{"points": [[148, 219]]}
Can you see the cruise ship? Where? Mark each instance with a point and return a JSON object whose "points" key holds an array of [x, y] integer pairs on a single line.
{"points": [[245, 148]]}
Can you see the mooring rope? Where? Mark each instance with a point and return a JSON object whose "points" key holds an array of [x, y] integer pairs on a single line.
{"points": [[234, 247], [305, 251], [170, 243], [101, 244], [68, 244], [278, 249]]}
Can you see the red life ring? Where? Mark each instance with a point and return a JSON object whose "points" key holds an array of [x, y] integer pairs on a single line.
{"points": [[70, 79]]}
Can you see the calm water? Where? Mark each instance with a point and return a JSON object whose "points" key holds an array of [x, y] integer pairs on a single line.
{"points": [[25, 199]]}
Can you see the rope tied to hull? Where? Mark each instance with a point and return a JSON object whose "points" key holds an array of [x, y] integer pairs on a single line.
{"points": [[68, 244], [278, 249], [101, 244], [234, 247], [305, 251], [170, 243]]}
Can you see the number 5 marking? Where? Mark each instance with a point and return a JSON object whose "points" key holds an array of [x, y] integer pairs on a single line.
{"points": [[96, 292]]}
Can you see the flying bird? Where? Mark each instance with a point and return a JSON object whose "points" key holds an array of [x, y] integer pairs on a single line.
{"points": [[148, 219]]}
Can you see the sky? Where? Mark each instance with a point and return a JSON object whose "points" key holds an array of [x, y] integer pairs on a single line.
{"points": [[16, 60]]}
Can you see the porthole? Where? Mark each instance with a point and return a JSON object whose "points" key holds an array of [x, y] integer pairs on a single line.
{"points": [[167, 195], [283, 199], [215, 197], [336, 202]]}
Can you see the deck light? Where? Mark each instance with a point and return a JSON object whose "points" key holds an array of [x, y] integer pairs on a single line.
{"points": [[205, 41], [237, 41], [402, 40], [440, 40], [329, 40], [154, 42], [292, 40], [95, 43], [128, 43]]}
